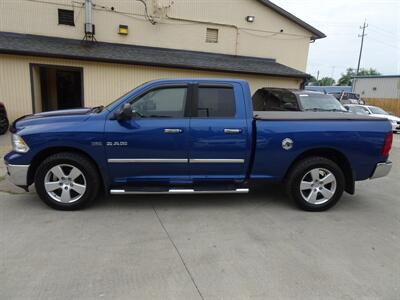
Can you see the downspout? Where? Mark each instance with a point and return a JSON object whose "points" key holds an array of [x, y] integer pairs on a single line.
{"points": [[211, 23]]}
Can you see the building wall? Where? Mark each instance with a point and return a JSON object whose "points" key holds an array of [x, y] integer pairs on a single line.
{"points": [[380, 87], [389, 105], [103, 82], [179, 25]]}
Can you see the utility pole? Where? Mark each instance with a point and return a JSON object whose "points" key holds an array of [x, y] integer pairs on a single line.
{"points": [[362, 44]]}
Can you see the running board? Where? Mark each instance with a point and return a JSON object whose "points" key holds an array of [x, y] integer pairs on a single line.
{"points": [[179, 191]]}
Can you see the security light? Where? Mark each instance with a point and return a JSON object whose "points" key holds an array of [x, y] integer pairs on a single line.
{"points": [[123, 29], [250, 19]]}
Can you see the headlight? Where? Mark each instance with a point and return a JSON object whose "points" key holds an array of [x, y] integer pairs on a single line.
{"points": [[19, 144], [393, 122]]}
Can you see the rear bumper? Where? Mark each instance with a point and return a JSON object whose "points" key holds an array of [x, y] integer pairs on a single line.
{"points": [[18, 174], [381, 170]]}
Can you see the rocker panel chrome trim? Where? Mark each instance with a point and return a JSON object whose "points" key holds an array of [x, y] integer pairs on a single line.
{"points": [[178, 191], [148, 160], [215, 161]]}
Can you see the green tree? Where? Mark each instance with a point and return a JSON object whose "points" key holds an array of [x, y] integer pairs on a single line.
{"points": [[311, 81], [347, 78], [326, 81]]}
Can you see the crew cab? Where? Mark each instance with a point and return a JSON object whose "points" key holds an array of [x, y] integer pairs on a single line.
{"points": [[185, 136]]}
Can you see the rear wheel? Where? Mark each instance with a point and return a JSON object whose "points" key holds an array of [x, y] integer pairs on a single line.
{"points": [[67, 181], [316, 183]]}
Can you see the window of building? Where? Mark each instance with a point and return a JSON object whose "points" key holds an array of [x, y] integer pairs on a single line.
{"points": [[66, 17], [212, 35], [216, 102], [161, 103]]}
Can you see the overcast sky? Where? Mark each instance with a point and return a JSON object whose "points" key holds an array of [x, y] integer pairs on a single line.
{"points": [[340, 20]]}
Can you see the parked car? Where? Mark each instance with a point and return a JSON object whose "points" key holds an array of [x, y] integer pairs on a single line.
{"points": [[348, 98], [187, 136], [3, 119], [375, 111], [277, 99]]}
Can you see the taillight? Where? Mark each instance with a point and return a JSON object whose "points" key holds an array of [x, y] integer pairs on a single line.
{"points": [[388, 144]]}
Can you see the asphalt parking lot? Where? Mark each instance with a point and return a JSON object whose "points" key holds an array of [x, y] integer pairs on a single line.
{"points": [[255, 246]]}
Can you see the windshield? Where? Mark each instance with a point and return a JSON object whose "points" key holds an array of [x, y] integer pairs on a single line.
{"points": [[320, 102], [377, 110], [360, 110]]}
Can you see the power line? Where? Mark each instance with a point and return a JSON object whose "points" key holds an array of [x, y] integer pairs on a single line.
{"points": [[384, 43], [383, 30]]}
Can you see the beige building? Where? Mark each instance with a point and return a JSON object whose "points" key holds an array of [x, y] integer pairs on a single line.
{"points": [[380, 90], [58, 54]]}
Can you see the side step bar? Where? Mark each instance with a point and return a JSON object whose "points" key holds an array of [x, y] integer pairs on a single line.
{"points": [[178, 191]]}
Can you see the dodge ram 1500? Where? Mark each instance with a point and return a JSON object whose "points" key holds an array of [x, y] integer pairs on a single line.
{"points": [[185, 136]]}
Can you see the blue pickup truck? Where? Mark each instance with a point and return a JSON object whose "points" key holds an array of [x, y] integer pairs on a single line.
{"points": [[186, 136]]}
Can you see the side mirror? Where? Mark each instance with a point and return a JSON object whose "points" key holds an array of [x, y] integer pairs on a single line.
{"points": [[124, 113]]}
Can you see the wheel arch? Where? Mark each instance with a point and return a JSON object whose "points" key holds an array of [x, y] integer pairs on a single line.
{"points": [[42, 155], [335, 155]]}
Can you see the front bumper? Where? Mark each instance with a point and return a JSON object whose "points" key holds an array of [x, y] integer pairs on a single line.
{"points": [[18, 174], [381, 170]]}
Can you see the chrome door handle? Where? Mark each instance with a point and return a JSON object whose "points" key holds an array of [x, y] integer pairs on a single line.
{"points": [[172, 130], [232, 130]]}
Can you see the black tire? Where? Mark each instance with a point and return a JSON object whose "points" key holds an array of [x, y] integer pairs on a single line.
{"points": [[4, 124], [86, 167], [300, 170]]}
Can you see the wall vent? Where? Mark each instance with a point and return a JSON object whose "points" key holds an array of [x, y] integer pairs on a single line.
{"points": [[66, 17], [212, 35]]}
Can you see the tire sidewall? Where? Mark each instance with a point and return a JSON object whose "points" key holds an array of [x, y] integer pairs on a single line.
{"points": [[91, 185], [302, 169]]}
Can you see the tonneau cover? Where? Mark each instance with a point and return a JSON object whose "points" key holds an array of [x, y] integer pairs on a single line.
{"points": [[310, 116]]}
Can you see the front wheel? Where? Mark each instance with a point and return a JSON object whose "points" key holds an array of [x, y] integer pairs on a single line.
{"points": [[67, 181], [316, 183]]}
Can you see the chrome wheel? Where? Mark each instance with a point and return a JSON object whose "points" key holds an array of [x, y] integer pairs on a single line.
{"points": [[318, 186], [65, 183]]}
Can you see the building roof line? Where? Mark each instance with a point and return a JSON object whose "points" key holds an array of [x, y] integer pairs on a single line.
{"points": [[55, 47], [316, 33], [377, 76]]}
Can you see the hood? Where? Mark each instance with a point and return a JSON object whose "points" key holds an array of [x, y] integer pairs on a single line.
{"points": [[57, 113], [388, 117], [393, 118], [57, 116]]}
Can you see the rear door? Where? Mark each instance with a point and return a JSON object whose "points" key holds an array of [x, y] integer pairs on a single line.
{"points": [[219, 138]]}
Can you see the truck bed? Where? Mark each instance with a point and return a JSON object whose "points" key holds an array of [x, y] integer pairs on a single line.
{"points": [[356, 137]]}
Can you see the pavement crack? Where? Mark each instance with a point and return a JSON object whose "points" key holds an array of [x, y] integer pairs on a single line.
{"points": [[177, 251]]}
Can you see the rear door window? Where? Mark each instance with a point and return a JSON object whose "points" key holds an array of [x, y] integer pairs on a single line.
{"points": [[215, 102]]}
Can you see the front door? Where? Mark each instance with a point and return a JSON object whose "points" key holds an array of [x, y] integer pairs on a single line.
{"points": [[219, 136], [152, 147]]}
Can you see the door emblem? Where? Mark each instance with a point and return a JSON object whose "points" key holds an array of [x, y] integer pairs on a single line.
{"points": [[113, 144], [287, 144]]}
